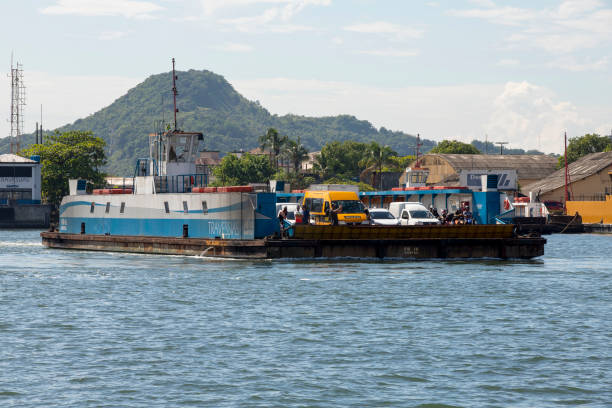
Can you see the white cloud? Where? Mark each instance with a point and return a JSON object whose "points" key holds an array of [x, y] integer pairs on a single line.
{"points": [[390, 53], [396, 31], [499, 15], [531, 116], [570, 64], [570, 8], [65, 98], [483, 3], [280, 15], [573, 25], [111, 35], [526, 115], [291, 6], [508, 62], [235, 47], [90, 8]]}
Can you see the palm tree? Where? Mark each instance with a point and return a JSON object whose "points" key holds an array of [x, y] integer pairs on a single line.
{"points": [[378, 156], [275, 142], [296, 153]]}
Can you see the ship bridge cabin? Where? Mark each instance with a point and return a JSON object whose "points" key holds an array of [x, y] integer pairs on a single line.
{"points": [[171, 165]]}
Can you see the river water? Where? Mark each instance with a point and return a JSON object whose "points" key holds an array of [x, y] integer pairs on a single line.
{"points": [[87, 329]]}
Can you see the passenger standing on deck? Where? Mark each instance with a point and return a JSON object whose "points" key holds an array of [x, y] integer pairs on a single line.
{"points": [[282, 216], [334, 212], [305, 215], [434, 211]]}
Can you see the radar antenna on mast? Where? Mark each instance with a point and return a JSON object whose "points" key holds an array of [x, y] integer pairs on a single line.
{"points": [[17, 104], [174, 93]]}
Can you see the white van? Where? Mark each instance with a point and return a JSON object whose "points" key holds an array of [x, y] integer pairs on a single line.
{"points": [[412, 213]]}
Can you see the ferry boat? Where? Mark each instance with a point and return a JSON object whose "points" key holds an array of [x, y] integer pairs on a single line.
{"points": [[170, 209]]}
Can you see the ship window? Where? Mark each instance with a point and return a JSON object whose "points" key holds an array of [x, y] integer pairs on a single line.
{"points": [[166, 207], [91, 209], [107, 207], [122, 209], [204, 207], [185, 208]]}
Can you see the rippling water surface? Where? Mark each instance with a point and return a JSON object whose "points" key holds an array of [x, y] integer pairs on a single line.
{"points": [[86, 329]]}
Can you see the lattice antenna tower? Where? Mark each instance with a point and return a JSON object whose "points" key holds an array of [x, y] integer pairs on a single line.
{"points": [[17, 104]]}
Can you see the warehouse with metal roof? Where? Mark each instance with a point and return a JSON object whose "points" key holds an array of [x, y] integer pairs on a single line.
{"points": [[446, 168], [590, 179]]}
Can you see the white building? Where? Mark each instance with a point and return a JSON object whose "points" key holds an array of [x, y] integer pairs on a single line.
{"points": [[20, 180]]}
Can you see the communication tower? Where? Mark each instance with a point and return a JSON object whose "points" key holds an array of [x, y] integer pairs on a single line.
{"points": [[17, 104]]}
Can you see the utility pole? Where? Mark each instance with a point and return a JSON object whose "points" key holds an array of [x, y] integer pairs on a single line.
{"points": [[41, 127], [486, 143], [418, 146], [501, 147], [566, 175]]}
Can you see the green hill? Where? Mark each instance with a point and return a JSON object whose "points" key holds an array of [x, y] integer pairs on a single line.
{"points": [[209, 104]]}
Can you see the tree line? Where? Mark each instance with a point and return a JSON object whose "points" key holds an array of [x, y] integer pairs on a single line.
{"points": [[337, 163], [81, 154]]}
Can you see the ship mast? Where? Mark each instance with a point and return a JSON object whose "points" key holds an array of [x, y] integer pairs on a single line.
{"points": [[174, 93]]}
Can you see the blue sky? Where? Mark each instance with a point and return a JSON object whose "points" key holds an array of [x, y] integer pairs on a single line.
{"points": [[517, 71]]}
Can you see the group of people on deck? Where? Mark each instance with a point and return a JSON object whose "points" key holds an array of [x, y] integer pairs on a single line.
{"points": [[302, 216], [463, 215]]}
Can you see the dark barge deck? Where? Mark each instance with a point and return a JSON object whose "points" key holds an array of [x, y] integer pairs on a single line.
{"points": [[415, 242]]}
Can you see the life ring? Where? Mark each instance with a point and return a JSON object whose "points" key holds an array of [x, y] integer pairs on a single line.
{"points": [[506, 204]]}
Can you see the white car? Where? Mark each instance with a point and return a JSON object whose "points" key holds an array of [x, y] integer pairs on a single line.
{"points": [[382, 216]]}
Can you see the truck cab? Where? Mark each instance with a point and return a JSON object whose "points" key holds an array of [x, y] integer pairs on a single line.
{"points": [[351, 210], [412, 213]]}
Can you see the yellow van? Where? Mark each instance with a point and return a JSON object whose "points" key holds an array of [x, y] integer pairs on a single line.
{"points": [[320, 203]]}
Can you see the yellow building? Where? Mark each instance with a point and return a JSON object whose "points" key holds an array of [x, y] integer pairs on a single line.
{"points": [[592, 211]]}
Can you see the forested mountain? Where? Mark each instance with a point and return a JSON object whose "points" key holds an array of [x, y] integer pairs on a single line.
{"points": [[209, 104]]}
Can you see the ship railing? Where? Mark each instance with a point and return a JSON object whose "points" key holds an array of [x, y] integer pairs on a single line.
{"points": [[182, 183]]}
